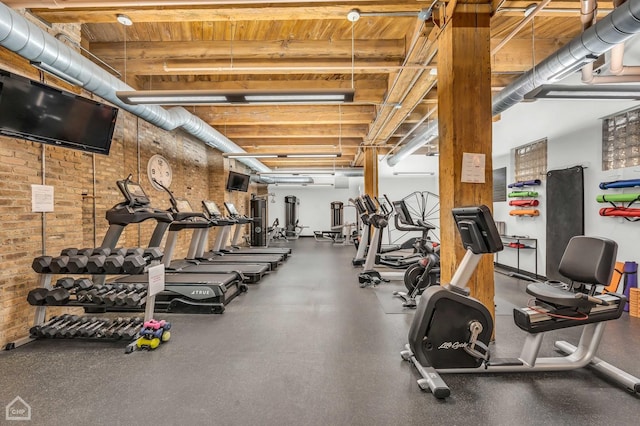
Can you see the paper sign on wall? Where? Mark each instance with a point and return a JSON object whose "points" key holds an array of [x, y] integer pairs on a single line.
{"points": [[41, 198], [473, 167]]}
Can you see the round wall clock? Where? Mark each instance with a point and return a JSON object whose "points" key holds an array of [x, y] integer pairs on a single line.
{"points": [[158, 168]]}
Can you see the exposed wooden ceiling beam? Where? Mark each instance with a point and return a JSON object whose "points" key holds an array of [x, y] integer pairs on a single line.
{"points": [[293, 131], [332, 115], [273, 49], [306, 143], [519, 54], [258, 66], [221, 12]]}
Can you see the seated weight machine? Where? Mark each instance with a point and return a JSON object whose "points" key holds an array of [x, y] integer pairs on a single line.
{"points": [[451, 330]]}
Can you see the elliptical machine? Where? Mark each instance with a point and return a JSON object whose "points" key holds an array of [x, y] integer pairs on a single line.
{"points": [[450, 331]]}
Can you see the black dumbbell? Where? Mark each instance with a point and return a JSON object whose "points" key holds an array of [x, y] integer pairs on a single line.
{"points": [[120, 299], [91, 322], [70, 251], [35, 330], [64, 286], [100, 298], [83, 285], [37, 296], [136, 261], [92, 329], [95, 263], [130, 330], [110, 299], [114, 262], [134, 298], [52, 330], [107, 331], [41, 264], [70, 331], [72, 261], [88, 297]]}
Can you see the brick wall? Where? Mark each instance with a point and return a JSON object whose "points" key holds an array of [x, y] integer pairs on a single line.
{"points": [[199, 172]]}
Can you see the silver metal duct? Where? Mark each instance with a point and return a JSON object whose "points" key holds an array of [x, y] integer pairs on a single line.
{"points": [[281, 179], [617, 27], [34, 44], [428, 133]]}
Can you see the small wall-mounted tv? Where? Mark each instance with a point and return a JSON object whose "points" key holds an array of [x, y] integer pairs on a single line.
{"points": [[238, 182], [36, 112]]}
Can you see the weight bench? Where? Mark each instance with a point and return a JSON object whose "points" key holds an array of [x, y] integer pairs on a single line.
{"points": [[327, 236]]}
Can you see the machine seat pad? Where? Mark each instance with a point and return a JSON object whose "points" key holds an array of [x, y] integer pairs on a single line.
{"points": [[556, 296]]}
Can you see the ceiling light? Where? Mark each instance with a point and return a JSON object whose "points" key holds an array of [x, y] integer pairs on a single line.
{"points": [[328, 155], [604, 92], [124, 20], [282, 155], [203, 97], [414, 173], [57, 73], [353, 15]]}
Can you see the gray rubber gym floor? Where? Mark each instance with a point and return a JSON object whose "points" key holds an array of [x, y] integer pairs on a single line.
{"points": [[307, 346]]}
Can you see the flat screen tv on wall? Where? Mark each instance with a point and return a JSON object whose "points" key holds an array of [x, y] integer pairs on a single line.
{"points": [[33, 111], [238, 182]]}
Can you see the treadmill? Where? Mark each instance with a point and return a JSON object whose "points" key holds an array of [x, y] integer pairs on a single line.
{"points": [[197, 293], [217, 255], [242, 220], [187, 219]]}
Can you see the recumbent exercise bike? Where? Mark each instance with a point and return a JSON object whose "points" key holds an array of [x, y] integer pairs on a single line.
{"points": [[450, 332]]}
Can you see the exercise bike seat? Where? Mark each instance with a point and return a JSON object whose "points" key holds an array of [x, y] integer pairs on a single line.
{"points": [[557, 296], [586, 260]]}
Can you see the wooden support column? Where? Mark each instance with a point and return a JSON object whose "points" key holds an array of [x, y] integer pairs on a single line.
{"points": [[371, 171], [464, 115]]}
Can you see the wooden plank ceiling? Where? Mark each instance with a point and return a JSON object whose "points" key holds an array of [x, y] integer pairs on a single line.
{"points": [[386, 56]]}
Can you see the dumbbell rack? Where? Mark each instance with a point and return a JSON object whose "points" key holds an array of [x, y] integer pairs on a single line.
{"points": [[44, 281]]}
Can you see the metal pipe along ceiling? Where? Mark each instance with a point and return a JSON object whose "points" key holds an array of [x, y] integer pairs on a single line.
{"points": [[617, 27], [29, 41]]}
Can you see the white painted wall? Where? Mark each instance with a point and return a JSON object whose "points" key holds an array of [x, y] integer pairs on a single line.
{"points": [[314, 209], [574, 134]]}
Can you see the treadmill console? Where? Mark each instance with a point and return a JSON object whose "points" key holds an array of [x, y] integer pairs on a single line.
{"points": [[133, 193], [136, 208], [231, 209], [183, 206], [211, 208]]}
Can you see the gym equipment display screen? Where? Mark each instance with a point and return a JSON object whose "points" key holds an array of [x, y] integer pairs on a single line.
{"points": [[36, 112], [183, 206], [238, 182], [231, 209], [212, 208]]}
